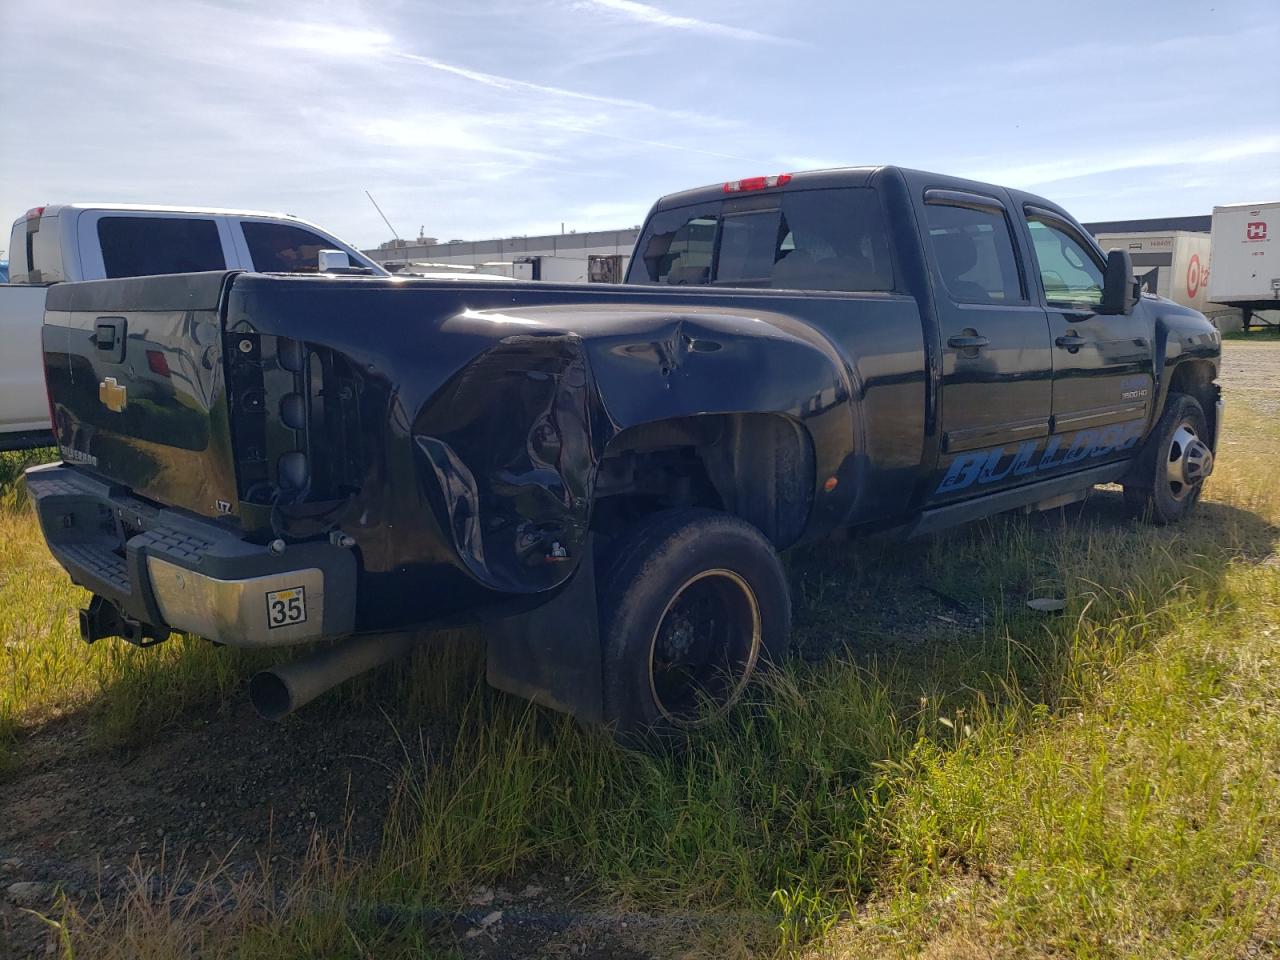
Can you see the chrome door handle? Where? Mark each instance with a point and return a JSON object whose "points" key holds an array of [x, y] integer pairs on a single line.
{"points": [[968, 343]]}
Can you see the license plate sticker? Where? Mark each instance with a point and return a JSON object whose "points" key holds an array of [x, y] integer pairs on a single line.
{"points": [[286, 607]]}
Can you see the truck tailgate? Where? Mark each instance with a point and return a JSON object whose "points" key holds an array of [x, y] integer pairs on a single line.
{"points": [[135, 375]]}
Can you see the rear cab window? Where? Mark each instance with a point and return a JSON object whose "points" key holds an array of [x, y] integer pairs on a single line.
{"points": [[139, 246], [821, 239]]}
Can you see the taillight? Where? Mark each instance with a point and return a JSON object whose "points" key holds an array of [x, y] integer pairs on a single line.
{"points": [[757, 183], [158, 363], [35, 212]]}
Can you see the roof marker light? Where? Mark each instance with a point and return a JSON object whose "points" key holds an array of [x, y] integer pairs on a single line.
{"points": [[757, 183], [34, 212]]}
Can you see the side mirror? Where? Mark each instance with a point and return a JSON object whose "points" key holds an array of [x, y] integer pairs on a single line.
{"points": [[1119, 290], [334, 260]]}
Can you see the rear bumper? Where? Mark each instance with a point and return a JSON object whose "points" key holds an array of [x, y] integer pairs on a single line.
{"points": [[169, 571]]}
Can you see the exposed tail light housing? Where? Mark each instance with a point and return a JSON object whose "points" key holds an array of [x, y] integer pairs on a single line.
{"points": [[292, 470], [757, 183]]}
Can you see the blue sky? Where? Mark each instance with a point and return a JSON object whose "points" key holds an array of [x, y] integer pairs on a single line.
{"points": [[479, 119]]}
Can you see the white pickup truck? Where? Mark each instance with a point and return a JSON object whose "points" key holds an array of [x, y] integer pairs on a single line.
{"points": [[76, 241]]}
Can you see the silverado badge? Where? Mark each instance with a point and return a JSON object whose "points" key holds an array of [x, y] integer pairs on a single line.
{"points": [[113, 396]]}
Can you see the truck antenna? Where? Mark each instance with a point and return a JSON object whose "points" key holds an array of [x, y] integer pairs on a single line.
{"points": [[384, 217]]}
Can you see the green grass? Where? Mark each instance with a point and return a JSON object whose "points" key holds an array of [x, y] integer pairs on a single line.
{"points": [[1106, 777], [1100, 783], [47, 672], [1096, 784], [1258, 334]]}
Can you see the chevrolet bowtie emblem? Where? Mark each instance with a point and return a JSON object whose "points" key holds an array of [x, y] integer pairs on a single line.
{"points": [[113, 396]]}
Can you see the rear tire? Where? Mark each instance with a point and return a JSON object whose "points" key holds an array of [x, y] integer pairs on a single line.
{"points": [[691, 602], [1170, 472]]}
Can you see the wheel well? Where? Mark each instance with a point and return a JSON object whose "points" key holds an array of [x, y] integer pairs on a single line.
{"points": [[755, 466], [1195, 378]]}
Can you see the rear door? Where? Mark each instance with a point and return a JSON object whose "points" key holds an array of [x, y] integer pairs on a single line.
{"points": [[132, 243], [997, 367], [1102, 364]]}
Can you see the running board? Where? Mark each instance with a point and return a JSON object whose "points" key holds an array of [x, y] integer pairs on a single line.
{"points": [[1044, 495]]}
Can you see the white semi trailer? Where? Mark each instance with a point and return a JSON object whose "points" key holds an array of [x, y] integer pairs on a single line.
{"points": [[1246, 258], [1174, 264], [551, 269]]}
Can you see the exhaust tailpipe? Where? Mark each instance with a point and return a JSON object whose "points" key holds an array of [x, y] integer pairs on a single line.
{"points": [[277, 692]]}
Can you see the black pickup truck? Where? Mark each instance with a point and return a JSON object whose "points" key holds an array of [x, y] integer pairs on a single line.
{"points": [[604, 475]]}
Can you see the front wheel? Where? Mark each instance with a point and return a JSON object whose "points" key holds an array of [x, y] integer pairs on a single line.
{"points": [[691, 603], [1171, 471]]}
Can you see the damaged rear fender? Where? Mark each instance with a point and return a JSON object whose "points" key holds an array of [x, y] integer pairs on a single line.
{"points": [[510, 446], [513, 443]]}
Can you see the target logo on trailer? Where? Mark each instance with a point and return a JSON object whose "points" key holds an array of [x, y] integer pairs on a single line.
{"points": [[1256, 230], [1197, 276]]}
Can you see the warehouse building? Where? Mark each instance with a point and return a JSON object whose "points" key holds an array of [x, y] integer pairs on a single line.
{"points": [[1196, 224], [599, 256]]}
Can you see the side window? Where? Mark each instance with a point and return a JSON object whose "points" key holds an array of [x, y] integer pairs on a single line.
{"points": [[282, 248], [832, 240], [143, 246], [1068, 270], [974, 252], [678, 248]]}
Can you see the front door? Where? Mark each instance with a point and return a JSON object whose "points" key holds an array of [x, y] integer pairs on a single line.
{"points": [[1102, 363], [997, 363]]}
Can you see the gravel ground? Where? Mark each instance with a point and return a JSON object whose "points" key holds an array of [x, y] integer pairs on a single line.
{"points": [[227, 786], [1251, 375]]}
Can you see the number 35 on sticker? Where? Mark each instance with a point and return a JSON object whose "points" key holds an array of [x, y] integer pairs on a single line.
{"points": [[286, 607]]}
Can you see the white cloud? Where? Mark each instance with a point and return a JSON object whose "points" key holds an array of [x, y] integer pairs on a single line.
{"points": [[501, 118], [330, 40], [439, 132], [510, 83], [653, 16], [1098, 162]]}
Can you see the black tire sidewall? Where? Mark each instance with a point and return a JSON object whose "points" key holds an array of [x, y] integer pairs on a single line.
{"points": [[1152, 492], [646, 568]]}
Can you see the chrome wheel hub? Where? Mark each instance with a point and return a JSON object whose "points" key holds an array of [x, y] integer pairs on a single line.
{"points": [[1190, 461]]}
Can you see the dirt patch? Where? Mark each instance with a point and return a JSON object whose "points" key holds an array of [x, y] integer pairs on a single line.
{"points": [[224, 783], [225, 787]]}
